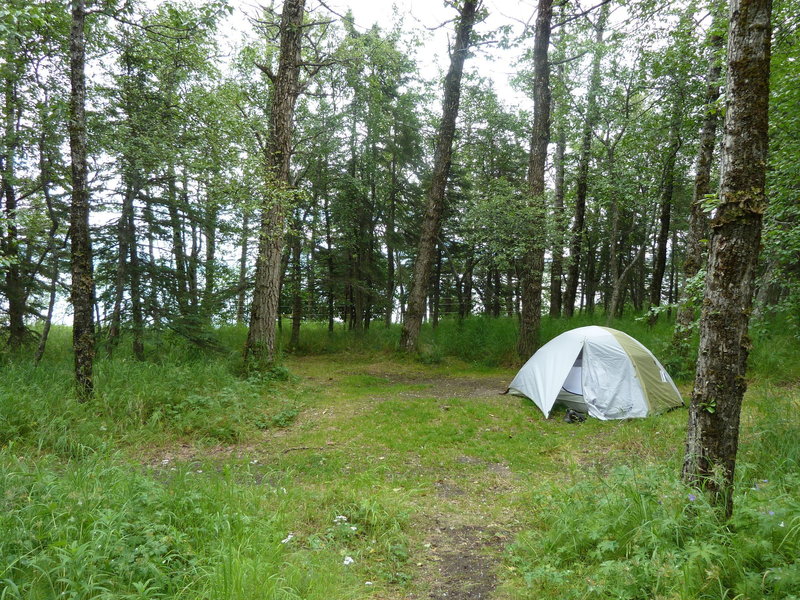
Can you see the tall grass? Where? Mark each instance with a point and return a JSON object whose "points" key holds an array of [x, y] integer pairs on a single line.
{"points": [[97, 529], [639, 533]]}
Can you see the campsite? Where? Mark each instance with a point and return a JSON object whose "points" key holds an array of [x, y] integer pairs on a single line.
{"points": [[196, 483], [358, 300]]}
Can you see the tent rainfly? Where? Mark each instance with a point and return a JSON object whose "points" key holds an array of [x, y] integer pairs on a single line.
{"points": [[597, 370]]}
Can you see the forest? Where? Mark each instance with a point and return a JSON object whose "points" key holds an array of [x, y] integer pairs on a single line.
{"points": [[265, 270]]}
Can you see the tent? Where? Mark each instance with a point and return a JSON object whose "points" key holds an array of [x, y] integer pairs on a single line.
{"points": [[597, 370]]}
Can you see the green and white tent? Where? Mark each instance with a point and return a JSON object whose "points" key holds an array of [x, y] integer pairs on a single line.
{"points": [[597, 370]]}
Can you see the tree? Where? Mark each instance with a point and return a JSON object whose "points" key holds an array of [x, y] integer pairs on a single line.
{"points": [[431, 223], [277, 152], [713, 431], [533, 261], [82, 295]]}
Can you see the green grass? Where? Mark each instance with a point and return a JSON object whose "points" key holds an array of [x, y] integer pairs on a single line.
{"points": [[183, 478]]}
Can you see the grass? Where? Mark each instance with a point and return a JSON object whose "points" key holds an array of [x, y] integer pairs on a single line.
{"points": [[186, 479]]}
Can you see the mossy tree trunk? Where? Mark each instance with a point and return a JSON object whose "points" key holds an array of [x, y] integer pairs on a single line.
{"points": [[713, 432]]}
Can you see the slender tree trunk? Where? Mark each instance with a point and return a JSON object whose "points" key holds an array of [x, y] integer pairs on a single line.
{"points": [[533, 261], [14, 288], [329, 261], [123, 243], [297, 276], [667, 191], [698, 225], [135, 273], [441, 168], [436, 285], [582, 180], [389, 241], [261, 337], [207, 305], [83, 342], [713, 433], [557, 266], [240, 300], [44, 170], [50, 305]]}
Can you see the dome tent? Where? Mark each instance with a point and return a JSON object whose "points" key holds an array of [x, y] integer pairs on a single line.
{"points": [[597, 370]]}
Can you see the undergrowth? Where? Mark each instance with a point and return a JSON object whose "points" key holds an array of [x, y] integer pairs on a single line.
{"points": [[95, 529], [640, 533]]}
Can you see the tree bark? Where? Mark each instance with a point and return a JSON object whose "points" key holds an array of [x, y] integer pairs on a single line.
{"points": [[431, 224], [533, 260], [582, 179], [82, 296], [713, 431], [261, 337]]}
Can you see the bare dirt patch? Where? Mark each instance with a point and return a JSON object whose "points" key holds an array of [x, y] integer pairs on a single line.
{"points": [[462, 561]]}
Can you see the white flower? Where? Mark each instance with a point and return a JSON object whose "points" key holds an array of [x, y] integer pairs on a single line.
{"points": [[348, 560], [353, 527], [287, 539], [367, 583], [782, 525], [340, 519]]}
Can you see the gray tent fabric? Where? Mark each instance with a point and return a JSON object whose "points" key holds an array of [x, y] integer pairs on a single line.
{"points": [[600, 371]]}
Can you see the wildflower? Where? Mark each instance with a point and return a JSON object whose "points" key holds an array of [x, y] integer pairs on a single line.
{"points": [[287, 539], [340, 519], [781, 525], [367, 583], [348, 560], [692, 497], [353, 527], [771, 513]]}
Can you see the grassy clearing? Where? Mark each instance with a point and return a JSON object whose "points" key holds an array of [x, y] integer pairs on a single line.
{"points": [[187, 480]]}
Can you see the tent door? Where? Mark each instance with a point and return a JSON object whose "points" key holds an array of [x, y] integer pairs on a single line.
{"points": [[571, 393]]}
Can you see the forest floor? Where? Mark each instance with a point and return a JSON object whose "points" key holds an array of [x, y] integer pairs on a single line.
{"points": [[440, 445]]}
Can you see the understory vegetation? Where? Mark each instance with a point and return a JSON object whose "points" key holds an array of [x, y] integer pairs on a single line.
{"points": [[340, 474]]}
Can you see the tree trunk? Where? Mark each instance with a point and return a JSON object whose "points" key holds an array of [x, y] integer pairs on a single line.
{"points": [[208, 305], [557, 266], [82, 296], [329, 261], [123, 242], [297, 276], [261, 337], [713, 432], [582, 180], [667, 190], [136, 288], [441, 168], [533, 260], [389, 241], [49, 318], [14, 287], [240, 300], [698, 225]]}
